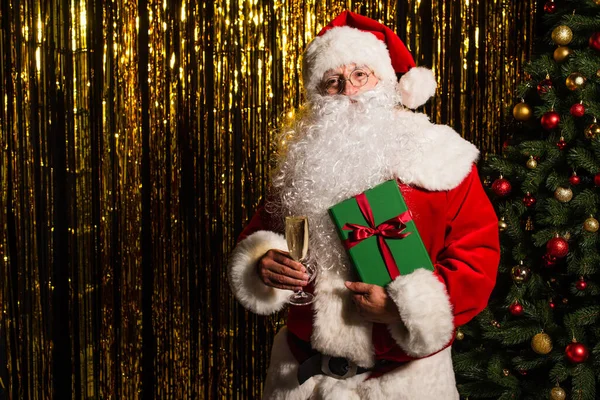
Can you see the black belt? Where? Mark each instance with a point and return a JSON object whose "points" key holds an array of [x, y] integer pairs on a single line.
{"points": [[336, 367]]}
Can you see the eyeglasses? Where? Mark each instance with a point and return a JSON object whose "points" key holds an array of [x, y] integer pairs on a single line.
{"points": [[335, 84]]}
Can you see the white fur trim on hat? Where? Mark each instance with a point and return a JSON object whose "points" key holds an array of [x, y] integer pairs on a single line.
{"points": [[341, 46], [245, 283], [427, 319], [416, 87]]}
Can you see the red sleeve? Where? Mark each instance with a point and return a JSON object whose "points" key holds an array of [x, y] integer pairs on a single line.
{"points": [[261, 220], [469, 261]]}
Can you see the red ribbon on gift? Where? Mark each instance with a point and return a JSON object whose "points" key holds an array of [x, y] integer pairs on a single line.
{"points": [[391, 229]]}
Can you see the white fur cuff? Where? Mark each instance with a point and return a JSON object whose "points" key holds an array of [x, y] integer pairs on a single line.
{"points": [[245, 283], [427, 320]]}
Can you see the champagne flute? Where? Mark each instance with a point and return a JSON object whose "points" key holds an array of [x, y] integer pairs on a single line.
{"points": [[296, 235]]}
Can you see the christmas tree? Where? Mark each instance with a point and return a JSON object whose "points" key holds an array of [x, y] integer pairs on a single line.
{"points": [[539, 336]]}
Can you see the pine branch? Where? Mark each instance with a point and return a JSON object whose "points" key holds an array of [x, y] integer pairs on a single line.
{"points": [[584, 383]]}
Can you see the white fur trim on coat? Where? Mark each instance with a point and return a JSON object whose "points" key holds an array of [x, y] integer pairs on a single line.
{"points": [[341, 46], [416, 87], [430, 378], [338, 329], [447, 158], [245, 283], [427, 320]]}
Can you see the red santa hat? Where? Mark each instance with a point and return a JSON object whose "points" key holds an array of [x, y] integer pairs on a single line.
{"points": [[353, 38]]}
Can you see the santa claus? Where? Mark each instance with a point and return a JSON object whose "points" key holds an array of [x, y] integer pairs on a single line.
{"points": [[361, 341]]}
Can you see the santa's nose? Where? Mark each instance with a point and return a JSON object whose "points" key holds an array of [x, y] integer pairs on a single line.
{"points": [[349, 89]]}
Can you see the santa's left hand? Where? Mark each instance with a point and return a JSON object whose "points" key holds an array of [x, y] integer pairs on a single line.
{"points": [[373, 303]]}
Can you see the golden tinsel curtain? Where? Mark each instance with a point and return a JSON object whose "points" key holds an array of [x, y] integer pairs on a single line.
{"points": [[135, 143]]}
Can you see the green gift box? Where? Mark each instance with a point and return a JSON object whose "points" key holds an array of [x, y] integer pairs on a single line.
{"points": [[388, 246]]}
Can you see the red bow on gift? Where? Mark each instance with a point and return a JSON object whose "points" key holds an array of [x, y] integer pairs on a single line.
{"points": [[392, 229]]}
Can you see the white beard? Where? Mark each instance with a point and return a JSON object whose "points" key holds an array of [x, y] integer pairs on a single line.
{"points": [[339, 148]]}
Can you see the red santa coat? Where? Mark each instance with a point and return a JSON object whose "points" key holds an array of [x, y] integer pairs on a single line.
{"points": [[459, 229], [464, 250]]}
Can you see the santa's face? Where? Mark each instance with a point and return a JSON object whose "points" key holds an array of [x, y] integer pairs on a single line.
{"points": [[348, 80]]}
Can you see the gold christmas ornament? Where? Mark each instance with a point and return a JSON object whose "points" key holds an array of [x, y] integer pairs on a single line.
{"points": [[562, 194], [529, 224], [520, 273], [597, 2], [592, 131], [575, 81], [558, 393], [562, 35], [531, 163], [561, 53], [565, 301], [541, 343], [591, 224], [522, 111], [505, 372], [460, 335], [502, 225]]}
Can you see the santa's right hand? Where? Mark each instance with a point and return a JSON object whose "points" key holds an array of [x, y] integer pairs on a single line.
{"points": [[277, 269]]}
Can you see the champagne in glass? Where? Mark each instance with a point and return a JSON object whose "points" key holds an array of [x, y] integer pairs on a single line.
{"points": [[296, 235]]}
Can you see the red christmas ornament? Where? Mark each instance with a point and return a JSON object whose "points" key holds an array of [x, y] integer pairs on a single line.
{"points": [[557, 247], [581, 284], [523, 372], [577, 110], [595, 41], [551, 304], [529, 200], [550, 7], [576, 352], [549, 261], [516, 309], [501, 187], [561, 144], [574, 179], [597, 179], [550, 120], [544, 86]]}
